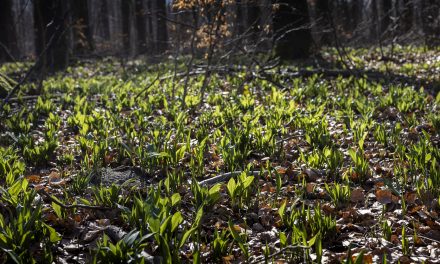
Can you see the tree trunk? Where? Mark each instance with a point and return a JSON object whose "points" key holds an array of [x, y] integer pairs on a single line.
{"points": [[253, 19], [321, 15], [82, 35], [51, 37], [162, 30], [141, 23], [8, 37], [431, 22], [292, 34], [129, 27]]}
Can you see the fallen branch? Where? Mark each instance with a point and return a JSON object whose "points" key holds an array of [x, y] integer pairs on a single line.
{"points": [[225, 177], [72, 206], [31, 70]]}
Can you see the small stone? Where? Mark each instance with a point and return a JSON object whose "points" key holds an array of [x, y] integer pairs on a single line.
{"points": [[257, 227], [252, 217], [267, 236]]}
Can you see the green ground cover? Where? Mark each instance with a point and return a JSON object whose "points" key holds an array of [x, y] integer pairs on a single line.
{"points": [[340, 169]]}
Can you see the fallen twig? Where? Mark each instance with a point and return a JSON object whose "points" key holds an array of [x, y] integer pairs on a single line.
{"points": [[225, 177]]}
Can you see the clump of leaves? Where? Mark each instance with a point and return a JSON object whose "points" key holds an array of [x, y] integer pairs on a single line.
{"points": [[339, 193], [239, 190]]}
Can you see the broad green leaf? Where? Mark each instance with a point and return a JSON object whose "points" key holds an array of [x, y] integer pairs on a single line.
{"points": [[199, 216], [311, 242], [214, 189], [164, 225], [186, 235], [196, 257], [282, 210], [24, 184], [131, 237], [165, 248], [53, 235], [57, 210], [248, 181], [231, 186], [175, 198], [176, 220], [283, 239], [15, 189]]}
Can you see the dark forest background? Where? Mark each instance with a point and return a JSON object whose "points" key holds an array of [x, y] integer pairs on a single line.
{"points": [[68, 29]]}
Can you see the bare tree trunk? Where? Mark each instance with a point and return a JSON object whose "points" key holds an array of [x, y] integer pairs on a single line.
{"points": [[8, 37], [292, 34], [82, 35], [141, 23], [253, 19], [320, 10], [431, 21], [129, 27], [162, 30], [51, 23]]}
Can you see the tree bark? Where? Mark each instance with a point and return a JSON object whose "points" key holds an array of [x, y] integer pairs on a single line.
{"points": [[141, 30], [50, 22], [129, 27], [431, 22], [321, 13], [8, 37], [82, 35], [292, 34], [162, 30], [253, 19]]}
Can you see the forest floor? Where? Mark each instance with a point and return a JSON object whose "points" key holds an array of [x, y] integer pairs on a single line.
{"points": [[106, 165]]}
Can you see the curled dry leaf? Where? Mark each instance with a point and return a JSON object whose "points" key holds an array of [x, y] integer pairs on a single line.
{"points": [[33, 179], [312, 175], [310, 187], [357, 195], [386, 197], [281, 170], [366, 258], [410, 197]]}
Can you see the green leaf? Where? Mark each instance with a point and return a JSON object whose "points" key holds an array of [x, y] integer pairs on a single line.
{"points": [[248, 181], [234, 233], [360, 258], [15, 189], [176, 220], [214, 189], [13, 256], [283, 239], [311, 242], [131, 237], [154, 224], [282, 210], [231, 187], [57, 210], [198, 218], [24, 184], [175, 198], [186, 235], [53, 235], [196, 257], [164, 225]]}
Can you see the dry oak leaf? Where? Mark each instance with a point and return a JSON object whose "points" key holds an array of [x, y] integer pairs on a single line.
{"points": [[357, 195], [386, 197], [410, 197], [366, 259], [310, 187], [33, 179]]}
